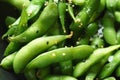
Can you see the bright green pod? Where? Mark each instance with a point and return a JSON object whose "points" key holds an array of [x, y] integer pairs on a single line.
{"points": [[110, 78], [12, 47], [7, 62], [117, 16], [108, 24], [32, 10], [95, 69], [22, 26], [110, 67], [62, 14], [59, 55], [95, 57], [33, 48], [112, 5], [83, 17], [78, 2], [39, 27], [59, 77]]}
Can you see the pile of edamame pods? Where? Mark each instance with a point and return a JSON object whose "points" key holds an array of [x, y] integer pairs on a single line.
{"points": [[63, 39]]}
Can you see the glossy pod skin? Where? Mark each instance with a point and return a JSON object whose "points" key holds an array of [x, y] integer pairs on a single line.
{"points": [[59, 55], [83, 17], [94, 70], [59, 77], [110, 78], [33, 48], [108, 24], [62, 13], [32, 10], [110, 67], [117, 16], [39, 27], [90, 30], [95, 57], [22, 26], [7, 62]]}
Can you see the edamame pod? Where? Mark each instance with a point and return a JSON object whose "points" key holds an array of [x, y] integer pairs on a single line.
{"points": [[108, 68], [33, 48], [83, 17], [95, 69], [110, 78], [32, 10], [96, 56], [59, 77], [62, 13], [108, 24], [39, 27], [117, 16], [7, 62], [59, 55], [12, 47], [22, 26]]}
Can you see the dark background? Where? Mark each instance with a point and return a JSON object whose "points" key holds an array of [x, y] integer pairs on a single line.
{"points": [[7, 10]]}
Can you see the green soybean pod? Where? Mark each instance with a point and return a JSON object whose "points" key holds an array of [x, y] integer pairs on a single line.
{"points": [[83, 17], [110, 67], [30, 75], [62, 13], [7, 62], [33, 48], [110, 78], [78, 2], [39, 27], [108, 24], [59, 77], [117, 16], [32, 10], [71, 12], [95, 69], [22, 26], [95, 57], [112, 5], [11, 47], [90, 30], [99, 11], [59, 55]]}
